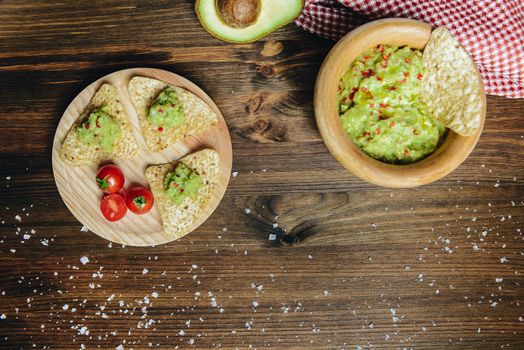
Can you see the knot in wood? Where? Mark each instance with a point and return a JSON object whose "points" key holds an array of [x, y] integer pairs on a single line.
{"points": [[254, 104], [266, 71], [261, 125]]}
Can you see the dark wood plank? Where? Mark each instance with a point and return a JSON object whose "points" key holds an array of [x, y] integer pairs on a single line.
{"points": [[352, 265]]}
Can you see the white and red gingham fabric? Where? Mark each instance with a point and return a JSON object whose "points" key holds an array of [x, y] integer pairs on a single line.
{"points": [[492, 31]]}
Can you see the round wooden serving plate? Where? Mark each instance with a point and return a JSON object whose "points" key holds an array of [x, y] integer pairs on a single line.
{"points": [[391, 31], [77, 185]]}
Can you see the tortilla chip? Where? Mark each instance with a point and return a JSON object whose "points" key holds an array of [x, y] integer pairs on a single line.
{"points": [[178, 219], [77, 153], [451, 86], [198, 115]]}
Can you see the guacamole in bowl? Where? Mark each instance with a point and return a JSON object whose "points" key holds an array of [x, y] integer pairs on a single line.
{"points": [[380, 106]]}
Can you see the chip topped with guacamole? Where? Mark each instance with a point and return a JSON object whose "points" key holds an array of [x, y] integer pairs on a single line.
{"points": [[167, 113], [380, 108], [101, 132], [183, 189]]}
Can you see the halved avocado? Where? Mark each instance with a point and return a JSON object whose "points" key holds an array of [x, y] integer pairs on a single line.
{"points": [[246, 21]]}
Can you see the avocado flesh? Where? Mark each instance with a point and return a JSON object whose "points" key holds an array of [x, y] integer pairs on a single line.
{"points": [[273, 15]]}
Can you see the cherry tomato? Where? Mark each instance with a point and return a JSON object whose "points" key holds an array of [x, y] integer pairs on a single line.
{"points": [[113, 207], [139, 200], [110, 178]]}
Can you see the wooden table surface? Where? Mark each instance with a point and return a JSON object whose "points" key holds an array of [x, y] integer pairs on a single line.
{"points": [[354, 266]]}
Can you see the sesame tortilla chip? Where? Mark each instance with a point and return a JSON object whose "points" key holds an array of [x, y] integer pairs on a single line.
{"points": [[198, 115], [178, 219], [451, 86], [77, 153]]}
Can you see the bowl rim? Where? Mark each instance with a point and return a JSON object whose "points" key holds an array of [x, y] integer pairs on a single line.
{"points": [[446, 158]]}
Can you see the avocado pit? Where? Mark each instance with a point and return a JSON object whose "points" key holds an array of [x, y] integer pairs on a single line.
{"points": [[238, 13]]}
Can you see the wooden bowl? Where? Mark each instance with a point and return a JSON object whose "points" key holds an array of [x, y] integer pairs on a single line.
{"points": [[77, 185], [392, 31]]}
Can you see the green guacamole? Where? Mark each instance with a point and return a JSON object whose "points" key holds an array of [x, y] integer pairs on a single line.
{"points": [[99, 129], [181, 183], [166, 111], [380, 109]]}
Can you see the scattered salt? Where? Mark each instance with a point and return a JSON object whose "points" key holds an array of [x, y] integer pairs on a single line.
{"points": [[83, 331]]}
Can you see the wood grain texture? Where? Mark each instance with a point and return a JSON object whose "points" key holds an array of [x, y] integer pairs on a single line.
{"points": [[396, 32], [346, 252], [84, 201]]}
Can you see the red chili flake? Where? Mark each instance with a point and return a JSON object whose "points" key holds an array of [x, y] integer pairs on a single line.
{"points": [[353, 92], [366, 133], [406, 153], [393, 88], [379, 78], [419, 76], [381, 48], [364, 89], [403, 81], [383, 105], [365, 58], [160, 110], [372, 105], [408, 61], [377, 130], [392, 124], [416, 132], [406, 74], [385, 57], [382, 116], [368, 73], [160, 128], [88, 125]]}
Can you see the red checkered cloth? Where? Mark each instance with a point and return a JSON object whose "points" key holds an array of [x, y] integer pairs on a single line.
{"points": [[492, 31]]}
